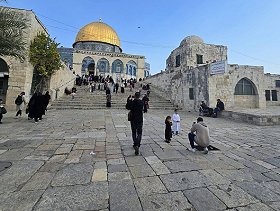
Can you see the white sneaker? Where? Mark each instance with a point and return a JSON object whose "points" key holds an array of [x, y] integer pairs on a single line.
{"points": [[192, 149], [205, 150]]}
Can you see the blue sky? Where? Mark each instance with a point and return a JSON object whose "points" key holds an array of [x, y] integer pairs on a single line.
{"points": [[249, 28]]}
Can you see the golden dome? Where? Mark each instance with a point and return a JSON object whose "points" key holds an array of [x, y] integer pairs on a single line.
{"points": [[100, 32]]}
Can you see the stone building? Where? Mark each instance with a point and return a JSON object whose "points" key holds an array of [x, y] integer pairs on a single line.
{"points": [[97, 50], [197, 72], [18, 76]]}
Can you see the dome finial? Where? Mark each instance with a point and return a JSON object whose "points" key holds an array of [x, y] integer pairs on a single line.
{"points": [[100, 19]]}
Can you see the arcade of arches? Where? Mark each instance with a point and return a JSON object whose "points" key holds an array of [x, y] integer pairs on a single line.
{"points": [[104, 67]]}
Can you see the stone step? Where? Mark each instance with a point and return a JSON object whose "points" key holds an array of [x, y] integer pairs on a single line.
{"points": [[102, 107], [97, 100]]}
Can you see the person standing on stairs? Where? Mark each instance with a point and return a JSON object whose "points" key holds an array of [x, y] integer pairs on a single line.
{"points": [[108, 98], [117, 87]]}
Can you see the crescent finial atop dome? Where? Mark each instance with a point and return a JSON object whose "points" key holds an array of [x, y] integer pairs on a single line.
{"points": [[100, 19]]}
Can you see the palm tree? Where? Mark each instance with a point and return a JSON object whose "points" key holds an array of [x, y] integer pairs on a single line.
{"points": [[12, 27]]}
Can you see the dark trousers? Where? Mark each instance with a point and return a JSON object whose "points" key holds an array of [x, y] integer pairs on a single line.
{"points": [[145, 108], [216, 112], [1, 116], [191, 138], [136, 128], [18, 113]]}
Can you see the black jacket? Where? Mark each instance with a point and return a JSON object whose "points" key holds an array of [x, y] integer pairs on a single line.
{"points": [[220, 105], [136, 107], [168, 131]]}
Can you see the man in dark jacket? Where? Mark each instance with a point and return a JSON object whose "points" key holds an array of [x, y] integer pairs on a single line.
{"points": [[219, 107], [136, 108]]}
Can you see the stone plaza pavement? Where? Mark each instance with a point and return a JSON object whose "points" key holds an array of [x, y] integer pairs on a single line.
{"points": [[53, 167]]}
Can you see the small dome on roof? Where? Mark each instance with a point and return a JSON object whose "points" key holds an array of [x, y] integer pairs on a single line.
{"points": [[193, 38]]}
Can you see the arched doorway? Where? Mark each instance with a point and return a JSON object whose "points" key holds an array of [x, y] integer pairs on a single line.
{"points": [[91, 68], [4, 76], [245, 94], [85, 65], [66, 62]]}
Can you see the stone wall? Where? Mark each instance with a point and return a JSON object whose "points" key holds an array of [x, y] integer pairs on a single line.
{"points": [[183, 74], [209, 88], [21, 72], [194, 79], [270, 84], [245, 101], [162, 83], [222, 86], [59, 81]]}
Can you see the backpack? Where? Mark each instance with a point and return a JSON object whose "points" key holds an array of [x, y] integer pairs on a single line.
{"points": [[18, 101]]}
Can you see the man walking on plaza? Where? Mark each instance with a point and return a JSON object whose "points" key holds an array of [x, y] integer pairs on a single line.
{"points": [[136, 119], [201, 137]]}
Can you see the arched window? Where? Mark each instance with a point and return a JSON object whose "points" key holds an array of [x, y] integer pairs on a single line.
{"points": [[244, 87], [131, 65], [103, 65], [117, 66]]}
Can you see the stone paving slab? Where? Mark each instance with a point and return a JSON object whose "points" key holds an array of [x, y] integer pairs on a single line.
{"points": [[174, 201], [52, 168], [149, 186], [123, 196], [259, 191], [181, 166], [204, 200], [232, 195], [15, 154], [73, 174], [184, 180], [18, 174], [20, 200], [80, 197], [39, 181]]}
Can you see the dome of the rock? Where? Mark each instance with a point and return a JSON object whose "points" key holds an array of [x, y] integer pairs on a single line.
{"points": [[98, 32]]}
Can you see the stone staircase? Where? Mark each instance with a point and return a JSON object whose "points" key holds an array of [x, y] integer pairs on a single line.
{"points": [[97, 99]]}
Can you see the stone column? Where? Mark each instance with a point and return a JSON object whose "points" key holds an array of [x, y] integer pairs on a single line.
{"points": [[95, 69], [110, 70]]}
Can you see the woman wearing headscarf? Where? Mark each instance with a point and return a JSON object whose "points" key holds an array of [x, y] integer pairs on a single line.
{"points": [[39, 107], [20, 103], [31, 107], [47, 98]]}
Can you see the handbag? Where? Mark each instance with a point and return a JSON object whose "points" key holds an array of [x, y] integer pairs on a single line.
{"points": [[147, 106], [3, 110], [129, 116]]}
